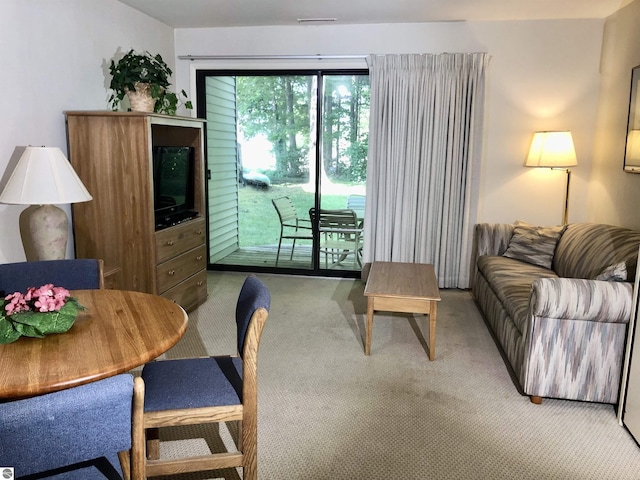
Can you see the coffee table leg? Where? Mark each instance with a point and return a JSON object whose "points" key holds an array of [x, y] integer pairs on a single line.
{"points": [[433, 313], [367, 343]]}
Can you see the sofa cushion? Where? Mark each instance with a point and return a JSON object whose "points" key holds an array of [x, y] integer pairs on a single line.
{"points": [[511, 282], [535, 245], [597, 251]]}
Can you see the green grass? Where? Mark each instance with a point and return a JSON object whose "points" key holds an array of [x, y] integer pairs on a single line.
{"points": [[259, 224]]}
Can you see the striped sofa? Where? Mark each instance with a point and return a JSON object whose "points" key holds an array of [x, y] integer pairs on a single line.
{"points": [[561, 321]]}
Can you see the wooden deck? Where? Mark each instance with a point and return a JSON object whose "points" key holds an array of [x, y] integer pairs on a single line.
{"points": [[265, 256]]}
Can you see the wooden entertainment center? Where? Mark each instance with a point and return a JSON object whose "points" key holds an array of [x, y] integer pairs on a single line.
{"points": [[112, 154]]}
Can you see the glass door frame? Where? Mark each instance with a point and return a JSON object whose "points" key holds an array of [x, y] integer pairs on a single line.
{"points": [[315, 270]]}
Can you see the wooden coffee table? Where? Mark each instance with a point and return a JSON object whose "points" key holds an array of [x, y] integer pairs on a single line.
{"points": [[406, 288]]}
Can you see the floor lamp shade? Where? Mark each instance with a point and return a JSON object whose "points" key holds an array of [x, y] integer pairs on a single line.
{"points": [[42, 178], [554, 150]]}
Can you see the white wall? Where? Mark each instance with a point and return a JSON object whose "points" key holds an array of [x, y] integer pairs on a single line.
{"points": [[55, 56], [544, 75], [615, 195]]}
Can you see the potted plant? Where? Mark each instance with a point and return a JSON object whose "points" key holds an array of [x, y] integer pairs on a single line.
{"points": [[144, 78]]}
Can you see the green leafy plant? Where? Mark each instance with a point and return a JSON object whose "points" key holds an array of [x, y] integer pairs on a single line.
{"points": [[37, 312], [144, 67]]}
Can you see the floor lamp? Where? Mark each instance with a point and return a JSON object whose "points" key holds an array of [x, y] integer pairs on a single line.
{"points": [[43, 178], [554, 150]]}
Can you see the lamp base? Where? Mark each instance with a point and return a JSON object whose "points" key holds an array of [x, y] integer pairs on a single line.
{"points": [[44, 232], [565, 212]]}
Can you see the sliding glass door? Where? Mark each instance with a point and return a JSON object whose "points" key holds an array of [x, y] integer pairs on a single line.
{"points": [[281, 146]]}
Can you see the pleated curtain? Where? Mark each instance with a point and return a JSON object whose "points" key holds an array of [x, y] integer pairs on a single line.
{"points": [[424, 137]]}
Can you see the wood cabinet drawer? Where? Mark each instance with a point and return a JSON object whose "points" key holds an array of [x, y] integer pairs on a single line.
{"points": [[179, 268], [179, 239], [190, 293]]}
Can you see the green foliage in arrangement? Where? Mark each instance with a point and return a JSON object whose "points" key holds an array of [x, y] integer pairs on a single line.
{"points": [[37, 313], [144, 67]]}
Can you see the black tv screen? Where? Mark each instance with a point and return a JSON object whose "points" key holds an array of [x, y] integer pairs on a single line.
{"points": [[172, 182]]}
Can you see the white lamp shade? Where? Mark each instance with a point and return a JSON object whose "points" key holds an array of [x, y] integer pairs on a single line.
{"points": [[552, 150], [44, 176]]}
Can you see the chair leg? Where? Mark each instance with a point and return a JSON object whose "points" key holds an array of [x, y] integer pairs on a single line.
{"points": [[250, 472], [249, 452], [293, 245], [153, 443], [125, 463], [279, 245]]}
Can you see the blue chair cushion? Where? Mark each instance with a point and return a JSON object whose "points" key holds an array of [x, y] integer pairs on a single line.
{"points": [[192, 383], [67, 427]]}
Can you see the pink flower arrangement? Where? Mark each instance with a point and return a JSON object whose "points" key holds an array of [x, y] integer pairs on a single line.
{"points": [[37, 312], [47, 298]]}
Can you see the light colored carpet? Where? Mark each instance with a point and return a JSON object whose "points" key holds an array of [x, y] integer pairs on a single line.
{"points": [[328, 412]]}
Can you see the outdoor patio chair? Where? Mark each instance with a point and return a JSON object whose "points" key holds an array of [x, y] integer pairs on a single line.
{"points": [[340, 235], [357, 203], [194, 391], [291, 227]]}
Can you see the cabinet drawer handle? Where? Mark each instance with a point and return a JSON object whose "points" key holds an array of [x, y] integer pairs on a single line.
{"points": [[198, 232], [170, 243], [171, 273], [199, 257], [200, 283]]}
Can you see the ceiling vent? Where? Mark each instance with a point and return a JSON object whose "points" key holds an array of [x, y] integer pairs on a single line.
{"points": [[318, 20]]}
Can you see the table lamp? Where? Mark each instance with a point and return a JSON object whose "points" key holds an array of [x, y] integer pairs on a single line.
{"points": [[43, 178], [554, 150]]}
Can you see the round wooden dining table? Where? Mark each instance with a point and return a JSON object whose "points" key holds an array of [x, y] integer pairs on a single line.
{"points": [[118, 331]]}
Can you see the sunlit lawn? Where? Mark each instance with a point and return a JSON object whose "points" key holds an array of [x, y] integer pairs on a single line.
{"points": [[259, 224]]}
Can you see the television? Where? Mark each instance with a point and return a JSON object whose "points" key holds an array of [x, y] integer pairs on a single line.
{"points": [[173, 182]]}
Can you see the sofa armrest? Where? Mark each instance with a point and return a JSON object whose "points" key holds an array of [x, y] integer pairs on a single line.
{"points": [[578, 299], [488, 239], [492, 238], [574, 345]]}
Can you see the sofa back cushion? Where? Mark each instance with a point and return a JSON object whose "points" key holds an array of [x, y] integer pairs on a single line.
{"points": [[534, 245], [597, 251]]}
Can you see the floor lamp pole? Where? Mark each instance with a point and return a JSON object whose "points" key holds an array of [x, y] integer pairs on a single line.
{"points": [[565, 214]]}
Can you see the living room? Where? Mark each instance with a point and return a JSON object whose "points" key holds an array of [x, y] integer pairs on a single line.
{"points": [[544, 74]]}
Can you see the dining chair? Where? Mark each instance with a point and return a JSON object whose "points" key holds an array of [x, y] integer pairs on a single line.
{"points": [[72, 274], [340, 235], [291, 227], [198, 391], [69, 434]]}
